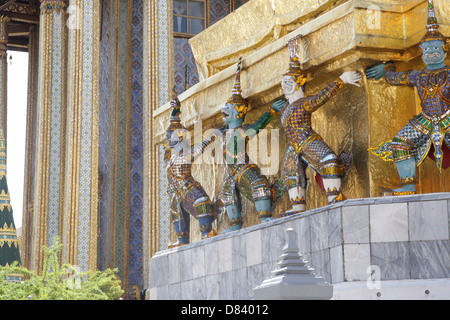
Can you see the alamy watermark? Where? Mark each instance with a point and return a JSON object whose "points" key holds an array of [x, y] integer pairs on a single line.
{"points": [[260, 147], [374, 279], [373, 15]]}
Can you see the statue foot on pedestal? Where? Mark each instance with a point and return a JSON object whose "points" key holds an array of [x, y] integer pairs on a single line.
{"points": [[339, 198], [291, 213], [176, 244], [233, 228], [262, 220], [385, 192], [211, 234]]}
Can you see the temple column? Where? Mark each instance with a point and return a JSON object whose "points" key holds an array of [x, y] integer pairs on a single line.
{"points": [[30, 155], [50, 131], [3, 73], [81, 172], [156, 92]]}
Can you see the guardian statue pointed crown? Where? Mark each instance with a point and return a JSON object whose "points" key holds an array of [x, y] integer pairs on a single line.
{"points": [[295, 69], [432, 26], [236, 99]]}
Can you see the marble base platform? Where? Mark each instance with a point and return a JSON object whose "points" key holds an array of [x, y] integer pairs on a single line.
{"points": [[367, 248]]}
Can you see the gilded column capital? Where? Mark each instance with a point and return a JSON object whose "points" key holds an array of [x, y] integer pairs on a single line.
{"points": [[52, 5]]}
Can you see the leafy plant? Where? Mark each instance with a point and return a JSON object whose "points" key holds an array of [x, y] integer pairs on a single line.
{"points": [[59, 282]]}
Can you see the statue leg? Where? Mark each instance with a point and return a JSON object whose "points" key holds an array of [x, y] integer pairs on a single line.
{"points": [[263, 208], [297, 198], [205, 216], [331, 172], [295, 180], [181, 225], [407, 172], [230, 198], [328, 167], [234, 215], [261, 194], [333, 189], [255, 187], [404, 147]]}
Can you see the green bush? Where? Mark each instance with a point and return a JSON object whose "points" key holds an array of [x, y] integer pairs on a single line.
{"points": [[59, 282]]}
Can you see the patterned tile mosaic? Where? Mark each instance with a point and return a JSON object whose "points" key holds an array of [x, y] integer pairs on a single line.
{"points": [[105, 45], [135, 276], [183, 57], [218, 9]]}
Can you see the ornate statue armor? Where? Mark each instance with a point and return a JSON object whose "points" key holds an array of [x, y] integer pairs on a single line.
{"points": [[427, 134], [243, 175], [431, 128], [243, 178], [306, 147], [188, 196]]}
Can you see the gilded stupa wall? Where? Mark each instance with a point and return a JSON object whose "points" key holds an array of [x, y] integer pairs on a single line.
{"points": [[337, 36]]}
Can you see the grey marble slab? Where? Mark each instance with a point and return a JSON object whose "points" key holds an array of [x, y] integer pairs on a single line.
{"points": [[267, 268], [389, 222], [186, 265], [240, 282], [337, 264], [428, 220], [174, 267], [430, 259], [239, 252], [335, 227], [272, 240], [303, 232], [212, 283], [199, 288], [225, 255], [159, 271], [163, 292], [253, 247], [318, 224], [175, 291], [392, 260], [211, 259], [355, 224], [198, 262], [320, 261], [254, 279], [226, 285], [356, 261], [186, 288]]}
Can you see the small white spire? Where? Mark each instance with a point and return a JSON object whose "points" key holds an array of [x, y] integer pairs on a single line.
{"points": [[293, 279]]}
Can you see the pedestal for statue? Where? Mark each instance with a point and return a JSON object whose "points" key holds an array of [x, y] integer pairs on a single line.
{"points": [[370, 249], [293, 279]]}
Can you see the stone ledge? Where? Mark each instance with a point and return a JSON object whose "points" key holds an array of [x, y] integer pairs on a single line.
{"points": [[430, 289], [406, 238]]}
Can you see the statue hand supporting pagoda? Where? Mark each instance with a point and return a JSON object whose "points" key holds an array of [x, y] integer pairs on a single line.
{"points": [[376, 72], [279, 105], [351, 77]]}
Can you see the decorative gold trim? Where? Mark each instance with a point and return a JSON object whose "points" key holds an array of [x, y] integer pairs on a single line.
{"points": [[397, 193], [408, 180], [95, 136], [30, 137]]}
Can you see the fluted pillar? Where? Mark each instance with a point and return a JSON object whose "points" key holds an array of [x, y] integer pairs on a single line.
{"points": [[4, 20], [81, 172], [151, 101], [50, 134], [31, 145]]}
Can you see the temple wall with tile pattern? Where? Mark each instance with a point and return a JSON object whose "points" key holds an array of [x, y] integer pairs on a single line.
{"points": [[406, 237]]}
